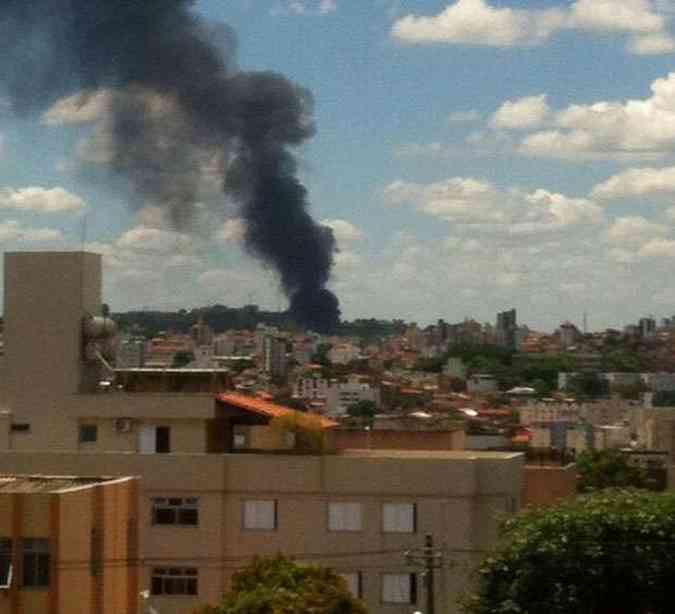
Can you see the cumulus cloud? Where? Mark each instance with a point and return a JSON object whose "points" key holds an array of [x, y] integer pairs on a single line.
{"points": [[80, 108], [523, 113], [232, 231], [634, 128], [476, 22], [40, 200], [638, 182], [13, 231], [155, 241], [634, 231], [344, 231], [483, 209]]}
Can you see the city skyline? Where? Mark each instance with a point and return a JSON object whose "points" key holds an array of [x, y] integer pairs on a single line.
{"points": [[462, 172]]}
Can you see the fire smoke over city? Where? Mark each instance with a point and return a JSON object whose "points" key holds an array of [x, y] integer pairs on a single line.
{"points": [[55, 48]]}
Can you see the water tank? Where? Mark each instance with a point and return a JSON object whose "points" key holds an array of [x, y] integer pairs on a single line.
{"points": [[99, 327]]}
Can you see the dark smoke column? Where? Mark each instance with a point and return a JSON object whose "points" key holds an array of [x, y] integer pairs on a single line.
{"points": [[55, 48]]}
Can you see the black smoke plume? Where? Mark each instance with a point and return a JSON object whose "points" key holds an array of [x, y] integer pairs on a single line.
{"points": [[50, 49]]}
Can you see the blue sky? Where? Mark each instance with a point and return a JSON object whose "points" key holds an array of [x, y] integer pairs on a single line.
{"points": [[471, 156]]}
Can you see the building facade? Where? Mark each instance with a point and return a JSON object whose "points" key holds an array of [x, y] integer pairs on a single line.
{"points": [[205, 506]]}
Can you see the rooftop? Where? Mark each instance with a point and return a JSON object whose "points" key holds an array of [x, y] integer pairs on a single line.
{"points": [[265, 408], [47, 483], [434, 454]]}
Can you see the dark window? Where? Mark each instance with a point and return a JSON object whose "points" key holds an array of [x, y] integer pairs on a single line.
{"points": [[35, 562], [174, 581], [88, 433], [163, 440], [21, 427], [5, 563], [175, 511]]}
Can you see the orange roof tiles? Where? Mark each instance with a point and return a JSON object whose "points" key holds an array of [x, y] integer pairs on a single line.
{"points": [[265, 408]]}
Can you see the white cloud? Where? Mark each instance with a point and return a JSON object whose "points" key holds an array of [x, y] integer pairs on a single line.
{"points": [[640, 128], [344, 231], [13, 231], [634, 231], [154, 241], [40, 200], [658, 248], [634, 182], [616, 16], [80, 108], [232, 231], [475, 22], [652, 44], [523, 113], [483, 209]]}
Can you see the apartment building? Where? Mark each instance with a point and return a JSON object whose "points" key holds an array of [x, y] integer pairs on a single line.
{"points": [[217, 484], [68, 545]]}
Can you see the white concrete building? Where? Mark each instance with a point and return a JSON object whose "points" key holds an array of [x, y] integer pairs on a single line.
{"points": [[340, 396]]}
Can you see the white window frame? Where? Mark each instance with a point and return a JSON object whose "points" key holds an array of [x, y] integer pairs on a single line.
{"points": [[399, 588], [345, 516], [354, 581], [394, 520], [253, 511]]}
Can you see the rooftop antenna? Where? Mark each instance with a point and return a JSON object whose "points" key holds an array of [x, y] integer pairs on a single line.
{"points": [[585, 323]]}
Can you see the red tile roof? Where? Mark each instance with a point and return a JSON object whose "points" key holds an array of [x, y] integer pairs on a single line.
{"points": [[265, 408]]}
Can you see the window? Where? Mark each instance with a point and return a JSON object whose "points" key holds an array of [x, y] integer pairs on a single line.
{"points": [[6, 570], [88, 433], [399, 588], [354, 582], [260, 515], [344, 517], [20, 427], [175, 511], [174, 581], [35, 562], [163, 440], [154, 439], [399, 518]]}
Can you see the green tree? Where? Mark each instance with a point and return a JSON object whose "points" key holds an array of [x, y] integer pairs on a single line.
{"points": [[363, 411], [278, 585], [606, 553], [600, 469], [588, 386], [182, 358]]}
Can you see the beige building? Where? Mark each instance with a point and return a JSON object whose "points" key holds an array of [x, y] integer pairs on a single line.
{"points": [[68, 545], [217, 484]]}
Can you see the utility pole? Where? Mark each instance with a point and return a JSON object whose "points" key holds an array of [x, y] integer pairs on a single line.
{"points": [[430, 559]]}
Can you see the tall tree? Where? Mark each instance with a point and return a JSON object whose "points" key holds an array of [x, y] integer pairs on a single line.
{"points": [[606, 553], [278, 585]]}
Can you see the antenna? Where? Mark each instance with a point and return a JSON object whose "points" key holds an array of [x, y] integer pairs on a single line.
{"points": [[585, 323]]}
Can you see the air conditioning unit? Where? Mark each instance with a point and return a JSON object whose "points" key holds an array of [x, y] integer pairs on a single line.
{"points": [[123, 425]]}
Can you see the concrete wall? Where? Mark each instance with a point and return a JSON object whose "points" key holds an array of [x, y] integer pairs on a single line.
{"points": [[547, 484], [396, 440]]}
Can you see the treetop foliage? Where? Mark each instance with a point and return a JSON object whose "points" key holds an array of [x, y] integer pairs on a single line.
{"points": [[600, 469], [611, 552], [278, 585]]}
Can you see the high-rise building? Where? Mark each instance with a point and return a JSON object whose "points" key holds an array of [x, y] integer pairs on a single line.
{"points": [[505, 331], [275, 362]]}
